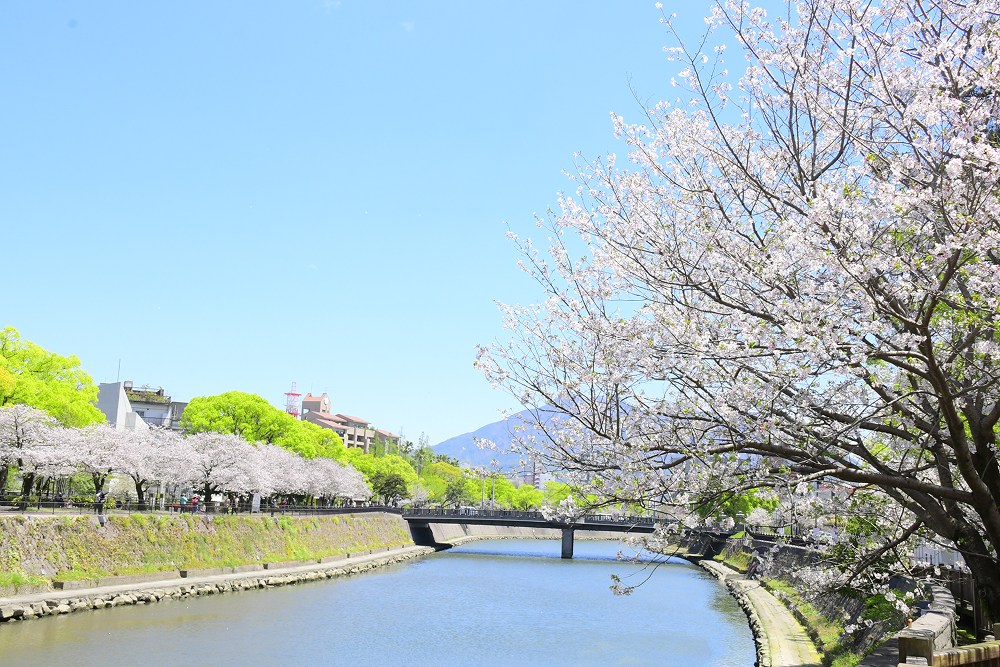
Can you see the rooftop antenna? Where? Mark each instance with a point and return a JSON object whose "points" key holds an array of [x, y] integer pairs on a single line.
{"points": [[119, 371], [292, 402]]}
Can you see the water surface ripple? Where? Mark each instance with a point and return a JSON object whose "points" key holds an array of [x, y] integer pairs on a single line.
{"points": [[499, 602]]}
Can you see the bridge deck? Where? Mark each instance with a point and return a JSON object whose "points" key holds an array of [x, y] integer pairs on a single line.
{"points": [[530, 520]]}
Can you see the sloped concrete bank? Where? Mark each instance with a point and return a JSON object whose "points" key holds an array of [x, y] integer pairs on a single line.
{"points": [[781, 641], [29, 607]]}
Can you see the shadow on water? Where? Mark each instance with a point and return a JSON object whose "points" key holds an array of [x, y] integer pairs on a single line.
{"points": [[583, 550]]}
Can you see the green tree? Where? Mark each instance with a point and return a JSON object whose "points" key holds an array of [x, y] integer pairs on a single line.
{"points": [[389, 486], [31, 375], [557, 491], [457, 492], [370, 465], [256, 420], [527, 497]]}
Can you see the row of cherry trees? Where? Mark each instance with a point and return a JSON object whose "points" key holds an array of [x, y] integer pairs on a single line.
{"points": [[211, 462]]}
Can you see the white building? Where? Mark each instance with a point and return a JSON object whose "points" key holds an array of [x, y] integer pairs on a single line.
{"points": [[130, 408]]}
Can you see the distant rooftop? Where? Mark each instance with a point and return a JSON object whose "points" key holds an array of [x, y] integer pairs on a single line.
{"points": [[145, 393], [359, 420]]}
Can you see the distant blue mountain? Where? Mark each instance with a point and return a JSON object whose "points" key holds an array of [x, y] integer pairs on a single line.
{"points": [[464, 448]]}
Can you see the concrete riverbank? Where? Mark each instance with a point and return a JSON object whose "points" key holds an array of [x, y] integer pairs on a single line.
{"points": [[781, 641], [37, 605]]}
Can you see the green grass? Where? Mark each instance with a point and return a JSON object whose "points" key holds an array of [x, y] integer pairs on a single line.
{"points": [[139, 544], [20, 579], [737, 560], [826, 633]]}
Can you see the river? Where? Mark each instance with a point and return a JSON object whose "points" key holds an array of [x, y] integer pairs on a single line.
{"points": [[497, 602]]}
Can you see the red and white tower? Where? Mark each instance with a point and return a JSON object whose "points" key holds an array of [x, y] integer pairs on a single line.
{"points": [[292, 402]]}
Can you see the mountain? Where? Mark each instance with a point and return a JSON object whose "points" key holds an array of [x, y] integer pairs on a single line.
{"points": [[464, 448]]}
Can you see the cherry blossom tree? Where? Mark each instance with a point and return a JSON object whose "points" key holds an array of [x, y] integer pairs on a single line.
{"points": [[796, 278], [151, 455], [31, 440], [222, 462], [98, 450]]}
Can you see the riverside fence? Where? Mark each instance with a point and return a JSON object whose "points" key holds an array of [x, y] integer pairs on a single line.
{"points": [[37, 505]]}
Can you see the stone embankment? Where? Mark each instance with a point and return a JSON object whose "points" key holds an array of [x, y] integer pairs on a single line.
{"points": [[38, 553], [28, 607], [781, 641]]}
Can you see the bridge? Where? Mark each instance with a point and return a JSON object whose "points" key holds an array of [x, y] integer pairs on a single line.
{"points": [[421, 518]]}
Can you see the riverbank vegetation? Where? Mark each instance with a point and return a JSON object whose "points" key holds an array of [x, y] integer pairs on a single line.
{"points": [[38, 550]]}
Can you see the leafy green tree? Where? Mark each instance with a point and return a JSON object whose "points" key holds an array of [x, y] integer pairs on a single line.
{"points": [[389, 486], [422, 456], [527, 497], [256, 420], [328, 444], [31, 375], [734, 504], [557, 491], [370, 465], [457, 492]]}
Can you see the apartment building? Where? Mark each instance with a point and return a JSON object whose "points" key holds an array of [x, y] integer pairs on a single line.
{"points": [[354, 431]]}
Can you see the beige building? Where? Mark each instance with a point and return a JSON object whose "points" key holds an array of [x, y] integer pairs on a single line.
{"points": [[354, 431]]}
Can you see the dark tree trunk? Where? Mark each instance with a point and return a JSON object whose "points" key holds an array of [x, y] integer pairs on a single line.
{"points": [[140, 493], [27, 481], [98, 481], [3, 480], [984, 569]]}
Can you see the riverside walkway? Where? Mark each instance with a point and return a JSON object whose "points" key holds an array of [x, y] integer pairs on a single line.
{"points": [[786, 641], [83, 598]]}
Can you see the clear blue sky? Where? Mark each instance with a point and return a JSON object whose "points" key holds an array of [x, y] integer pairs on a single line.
{"points": [[236, 195]]}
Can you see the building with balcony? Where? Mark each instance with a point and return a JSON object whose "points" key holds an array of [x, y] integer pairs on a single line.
{"points": [[354, 431]]}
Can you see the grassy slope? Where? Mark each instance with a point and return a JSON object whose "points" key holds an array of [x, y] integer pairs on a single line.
{"points": [[826, 633], [76, 548]]}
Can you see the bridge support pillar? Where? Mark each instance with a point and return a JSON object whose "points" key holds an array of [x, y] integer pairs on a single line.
{"points": [[567, 543]]}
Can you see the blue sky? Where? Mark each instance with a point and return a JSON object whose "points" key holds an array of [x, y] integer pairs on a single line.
{"points": [[236, 195]]}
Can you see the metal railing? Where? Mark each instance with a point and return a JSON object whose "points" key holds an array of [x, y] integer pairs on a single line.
{"points": [[116, 506], [475, 512]]}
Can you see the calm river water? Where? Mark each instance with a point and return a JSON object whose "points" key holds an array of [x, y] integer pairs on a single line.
{"points": [[502, 602]]}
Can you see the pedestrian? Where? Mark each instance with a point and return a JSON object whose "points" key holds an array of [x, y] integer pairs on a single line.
{"points": [[194, 504], [99, 504], [184, 502]]}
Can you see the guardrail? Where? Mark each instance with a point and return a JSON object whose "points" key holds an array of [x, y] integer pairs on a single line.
{"points": [[54, 506], [475, 512]]}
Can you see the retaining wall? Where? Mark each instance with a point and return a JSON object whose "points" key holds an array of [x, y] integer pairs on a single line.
{"points": [[43, 550]]}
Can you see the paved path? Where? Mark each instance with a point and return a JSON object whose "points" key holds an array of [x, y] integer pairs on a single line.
{"points": [[790, 645], [787, 640]]}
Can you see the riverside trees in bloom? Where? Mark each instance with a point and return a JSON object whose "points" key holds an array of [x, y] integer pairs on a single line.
{"points": [[796, 279], [212, 462]]}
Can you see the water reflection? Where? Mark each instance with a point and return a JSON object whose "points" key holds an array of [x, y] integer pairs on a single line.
{"points": [[505, 602]]}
